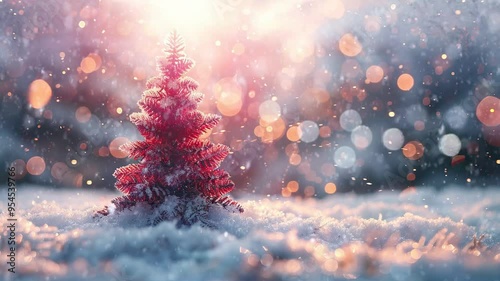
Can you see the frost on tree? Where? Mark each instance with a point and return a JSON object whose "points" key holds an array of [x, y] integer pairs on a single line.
{"points": [[174, 160]]}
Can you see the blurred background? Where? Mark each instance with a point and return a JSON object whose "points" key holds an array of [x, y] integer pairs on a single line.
{"points": [[317, 96]]}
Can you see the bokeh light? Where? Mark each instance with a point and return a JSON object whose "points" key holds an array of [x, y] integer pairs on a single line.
{"points": [[488, 111], [405, 82], [309, 191], [325, 132], [450, 145], [269, 111], [349, 45], [361, 137], [457, 159], [344, 157], [330, 188], [35, 165], [58, 170], [374, 74], [308, 131], [491, 135], [350, 119], [372, 24], [103, 151], [114, 147], [39, 93], [456, 117], [270, 131], [293, 186], [90, 63], [20, 168], [295, 159], [83, 114], [229, 96], [334, 9], [292, 133], [299, 48], [339, 73], [238, 49], [174, 13], [413, 150]]}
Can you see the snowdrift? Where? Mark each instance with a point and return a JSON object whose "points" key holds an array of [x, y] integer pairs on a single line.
{"points": [[418, 234]]}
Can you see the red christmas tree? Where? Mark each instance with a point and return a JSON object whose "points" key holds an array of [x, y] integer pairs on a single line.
{"points": [[174, 160]]}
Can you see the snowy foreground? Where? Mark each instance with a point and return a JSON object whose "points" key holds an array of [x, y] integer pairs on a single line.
{"points": [[414, 235]]}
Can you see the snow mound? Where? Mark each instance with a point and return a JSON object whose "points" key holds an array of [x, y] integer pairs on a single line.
{"points": [[413, 235]]}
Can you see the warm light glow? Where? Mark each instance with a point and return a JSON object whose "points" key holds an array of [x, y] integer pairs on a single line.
{"points": [[36, 165], [97, 60], [294, 267], [330, 188], [413, 150], [285, 192], [88, 65], [349, 45], [103, 151], [269, 111], [293, 133], [299, 48], [114, 147], [83, 114], [258, 131], [410, 177], [293, 186], [169, 14], [361, 137], [374, 74], [488, 111], [229, 96], [238, 49], [39, 93], [295, 159], [405, 82], [325, 132], [333, 9], [331, 265], [139, 73], [416, 254], [270, 131]]}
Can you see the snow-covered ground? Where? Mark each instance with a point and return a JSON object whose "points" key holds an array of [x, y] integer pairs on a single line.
{"points": [[419, 234]]}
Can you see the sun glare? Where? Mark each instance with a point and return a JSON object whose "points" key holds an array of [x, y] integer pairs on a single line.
{"points": [[185, 16]]}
